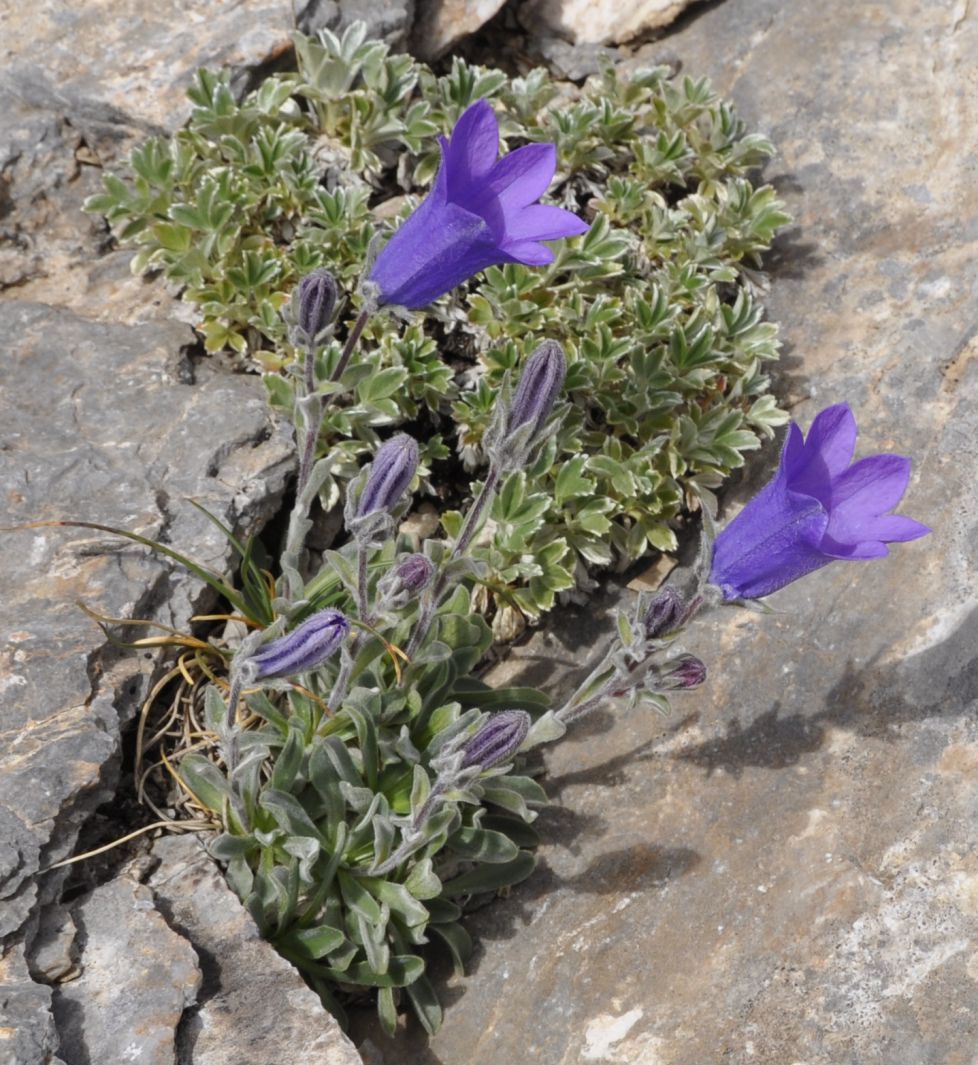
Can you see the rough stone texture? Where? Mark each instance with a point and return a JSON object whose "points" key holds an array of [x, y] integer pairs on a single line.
{"points": [[254, 1006], [80, 84], [599, 21], [139, 976], [112, 63], [786, 871], [442, 24], [105, 416], [98, 426]]}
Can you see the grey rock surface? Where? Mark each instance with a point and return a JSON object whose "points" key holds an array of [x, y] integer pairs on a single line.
{"points": [[105, 417], [97, 426], [786, 871], [254, 1006], [442, 24], [599, 21], [138, 978]]}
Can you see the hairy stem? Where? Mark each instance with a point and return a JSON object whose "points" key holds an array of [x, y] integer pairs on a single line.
{"points": [[363, 604], [347, 658], [311, 422], [307, 437], [351, 342], [470, 526]]}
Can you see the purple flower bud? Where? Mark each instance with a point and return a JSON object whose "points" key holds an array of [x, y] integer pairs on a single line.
{"points": [[391, 472], [317, 301], [413, 574], [539, 387], [686, 671], [498, 740], [665, 613], [303, 649]]}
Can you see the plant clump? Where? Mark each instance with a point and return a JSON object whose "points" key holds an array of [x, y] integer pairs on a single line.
{"points": [[656, 305]]}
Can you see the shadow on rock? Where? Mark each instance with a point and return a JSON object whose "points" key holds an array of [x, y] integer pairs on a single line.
{"points": [[873, 701], [623, 871]]}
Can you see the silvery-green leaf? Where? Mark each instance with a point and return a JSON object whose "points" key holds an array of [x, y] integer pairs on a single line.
{"points": [[205, 780], [316, 942], [290, 815], [426, 1005], [376, 948], [458, 942], [546, 729], [399, 900], [482, 845], [491, 877], [422, 881]]}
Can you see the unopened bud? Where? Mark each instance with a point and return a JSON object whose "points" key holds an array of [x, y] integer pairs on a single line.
{"points": [[539, 387], [686, 671], [303, 649], [412, 574], [317, 301], [391, 471], [665, 613], [498, 740]]}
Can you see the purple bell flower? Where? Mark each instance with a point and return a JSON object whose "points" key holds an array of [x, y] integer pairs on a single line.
{"points": [[305, 648], [481, 211], [817, 509]]}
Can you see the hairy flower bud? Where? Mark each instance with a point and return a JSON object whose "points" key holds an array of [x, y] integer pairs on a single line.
{"points": [[303, 649], [498, 740], [665, 613], [539, 387], [391, 471], [686, 671], [317, 301], [412, 574]]}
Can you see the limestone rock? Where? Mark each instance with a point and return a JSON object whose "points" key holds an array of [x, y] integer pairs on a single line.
{"points": [[119, 67], [599, 21], [138, 976], [442, 24], [80, 84], [98, 427], [785, 870], [254, 1006]]}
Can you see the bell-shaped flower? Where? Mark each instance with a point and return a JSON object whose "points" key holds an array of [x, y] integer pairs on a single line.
{"points": [[816, 510], [679, 674], [519, 426], [409, 577], [481, 211]]}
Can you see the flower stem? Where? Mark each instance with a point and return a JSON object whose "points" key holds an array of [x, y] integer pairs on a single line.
{"points": [[311, 421], [412, 838], [307, 437], [474, 517], [429, 603], [351, 342], [363, 605], [338, 694]]}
